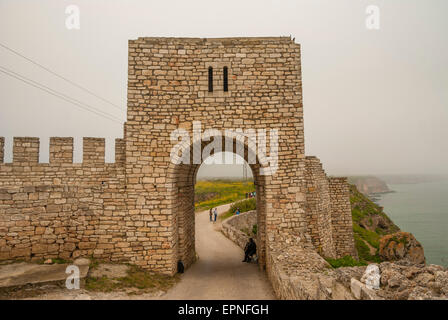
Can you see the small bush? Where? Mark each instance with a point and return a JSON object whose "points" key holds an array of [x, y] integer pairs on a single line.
{"points": [[254, 229]]}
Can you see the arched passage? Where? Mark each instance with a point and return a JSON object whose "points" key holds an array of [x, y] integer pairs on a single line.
{"points": [[183, 178]]}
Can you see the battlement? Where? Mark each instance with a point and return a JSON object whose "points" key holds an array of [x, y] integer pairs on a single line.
{"points": [[224, 40], [26, 150]]}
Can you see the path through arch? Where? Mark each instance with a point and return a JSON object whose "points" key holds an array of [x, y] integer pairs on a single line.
{"points": [[219, 272]]}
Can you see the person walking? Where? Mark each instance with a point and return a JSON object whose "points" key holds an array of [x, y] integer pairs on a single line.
{"points": [[237, 211], [216, 213], [211, 214]]}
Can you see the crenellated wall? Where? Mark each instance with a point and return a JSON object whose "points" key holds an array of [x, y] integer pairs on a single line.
{"points": [[26, 169], [63, 209]]}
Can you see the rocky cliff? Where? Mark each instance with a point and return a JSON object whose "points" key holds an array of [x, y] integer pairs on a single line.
{"points": [[370, 223], [369, 185]]}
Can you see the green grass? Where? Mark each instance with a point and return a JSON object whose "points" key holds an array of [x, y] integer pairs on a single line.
{"points": [[364, 251], [347, 261], [93, 263], [250, 233], [136, 278], [244, 205], [223, 191], [255, 229], [371, 237]]}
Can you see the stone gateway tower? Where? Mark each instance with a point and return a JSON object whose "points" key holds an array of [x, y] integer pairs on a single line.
{"points": [[140, 209]]}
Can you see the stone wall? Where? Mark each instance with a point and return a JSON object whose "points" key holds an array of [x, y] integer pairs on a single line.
{"points": [[329, 212], [39, 222], [341, 217], [26, 169], [64, 209], [318, 207], [233, 227]]}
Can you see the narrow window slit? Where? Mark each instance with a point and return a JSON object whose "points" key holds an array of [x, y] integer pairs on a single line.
{"points": [[210, 79], [226, 79]]}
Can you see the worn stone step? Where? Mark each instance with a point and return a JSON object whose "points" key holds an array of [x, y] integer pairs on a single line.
{"points": [[23, 273]]}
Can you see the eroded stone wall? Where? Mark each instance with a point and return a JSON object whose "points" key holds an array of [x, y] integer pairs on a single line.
{"points": [[341, 217], [300, 273], [238, 228], [318, 207], [329, 212]]}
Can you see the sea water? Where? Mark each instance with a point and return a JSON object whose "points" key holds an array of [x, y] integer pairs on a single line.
{"points": [[421, 209]]}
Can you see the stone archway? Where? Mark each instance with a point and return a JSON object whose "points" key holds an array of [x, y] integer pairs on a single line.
{"points": [[183, 178], [167, 90]]}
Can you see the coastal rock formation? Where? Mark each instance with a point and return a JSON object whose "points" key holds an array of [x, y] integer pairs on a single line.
{"points": [[401, 246], [404, 281], [369, 185]]}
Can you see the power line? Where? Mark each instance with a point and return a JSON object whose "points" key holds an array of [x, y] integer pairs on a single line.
{"points": [[59, 95], [61, 77]]}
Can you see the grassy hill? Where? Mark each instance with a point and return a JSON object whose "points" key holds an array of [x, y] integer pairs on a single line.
{"points": [[370, 223], [213, 193]]}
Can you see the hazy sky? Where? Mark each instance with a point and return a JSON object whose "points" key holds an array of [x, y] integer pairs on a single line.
{"points": [[375, 101]]}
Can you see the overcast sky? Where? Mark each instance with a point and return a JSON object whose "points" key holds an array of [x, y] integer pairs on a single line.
{"points": [[375, 101]]}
